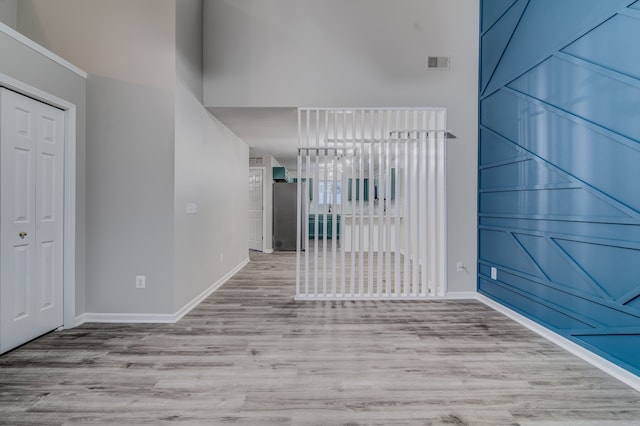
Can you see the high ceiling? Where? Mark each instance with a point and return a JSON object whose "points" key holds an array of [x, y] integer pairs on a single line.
{"points": [[266, 130], [263, 59]]}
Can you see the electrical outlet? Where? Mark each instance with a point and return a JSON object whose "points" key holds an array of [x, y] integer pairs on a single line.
{"points": [[141, 281], [459, 267], [494, 273]]}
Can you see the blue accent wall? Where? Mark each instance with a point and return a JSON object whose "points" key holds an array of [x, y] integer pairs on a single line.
{"points": [[559, 168]]}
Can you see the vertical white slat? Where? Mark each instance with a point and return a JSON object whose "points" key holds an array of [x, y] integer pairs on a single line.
{"points": [[431, 182], [398, 211], [305, 214], [323, 178], [424, 203], [380, 203], [388, 204], [299, 205], [341, 169], [301, 168], [415, 177], [334, 248], [441, 204], [370, 205], [309, 182], [303, 154], [314, 202], [360, 201], [407, 210], [352, 205]]}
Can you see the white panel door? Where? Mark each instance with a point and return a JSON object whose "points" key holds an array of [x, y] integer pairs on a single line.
{"points": [[31, 219], [255, 209]]}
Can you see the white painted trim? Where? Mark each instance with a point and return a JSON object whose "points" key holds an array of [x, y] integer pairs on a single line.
{"points": [[160, 318], [196, 300], [41, 50], [34, 92], [125, 318], [69, 268], [597, 361], [461, 295], [268, 251], [456, 295]]}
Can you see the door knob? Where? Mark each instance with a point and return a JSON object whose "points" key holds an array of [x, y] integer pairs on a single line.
{"points": [[22, 234]]}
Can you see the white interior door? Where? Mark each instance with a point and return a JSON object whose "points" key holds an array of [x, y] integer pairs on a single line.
{"points": [[31, 219], [255, 209]]}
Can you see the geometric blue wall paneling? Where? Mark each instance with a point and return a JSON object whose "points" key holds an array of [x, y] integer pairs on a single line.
{"points": [[612, 45], [558, 267], [559, 169], [583, 92], [495, 149], [506, 251], [492, 10], [546, 26], [634, 304], [527, 173], [617, 269], [568, 204], [496, 39], [592, 232], [596, 158], [591, 311], [624, 347], [519, 301], [595, 232]]}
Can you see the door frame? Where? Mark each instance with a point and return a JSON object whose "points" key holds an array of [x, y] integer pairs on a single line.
{"points": [[69, 220], [264, 205]]}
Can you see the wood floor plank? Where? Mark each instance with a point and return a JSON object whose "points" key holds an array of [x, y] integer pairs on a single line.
{"points": [[250, 355]]}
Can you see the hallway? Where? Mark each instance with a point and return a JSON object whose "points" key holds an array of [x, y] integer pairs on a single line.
{"points": [[250, 355]]}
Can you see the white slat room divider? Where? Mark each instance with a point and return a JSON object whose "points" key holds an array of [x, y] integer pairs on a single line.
{"points": [[371, 203]]}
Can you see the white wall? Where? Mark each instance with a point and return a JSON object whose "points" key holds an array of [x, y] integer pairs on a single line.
{"points": [[128, 48], [288, 53], [9, 12], [211, 170]]}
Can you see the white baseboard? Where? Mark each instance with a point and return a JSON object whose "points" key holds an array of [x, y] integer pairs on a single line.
{"points": [[597, 361], [196, 300], [461, 295], [455, 295], [160, 318], [268, 251], [124, 318]]}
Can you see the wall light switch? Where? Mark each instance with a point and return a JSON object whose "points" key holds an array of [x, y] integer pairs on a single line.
{"points": [[141, 281], [494, 273], [192, 208], [438, 62]]}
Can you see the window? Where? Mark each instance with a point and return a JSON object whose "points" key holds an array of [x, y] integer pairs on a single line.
{"points": [[326, 193]]}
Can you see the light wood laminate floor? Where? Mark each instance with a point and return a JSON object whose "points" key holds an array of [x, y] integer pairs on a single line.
{"points": [[250, 355]]}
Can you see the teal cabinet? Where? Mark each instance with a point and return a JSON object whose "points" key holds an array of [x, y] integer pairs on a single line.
{"points": [[357, 190], [377, 190], [321, 225], [281, 174]]}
